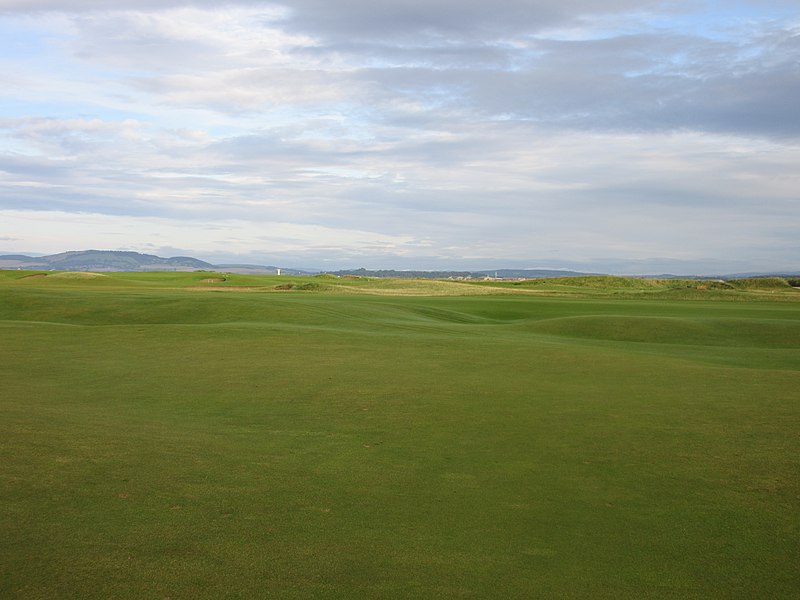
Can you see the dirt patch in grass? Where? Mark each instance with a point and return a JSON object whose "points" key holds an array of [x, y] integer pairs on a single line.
{"points": [[213, 280], [34, 276]]}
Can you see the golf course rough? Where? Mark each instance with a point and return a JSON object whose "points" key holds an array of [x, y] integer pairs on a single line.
{"points": [[165, 436]]}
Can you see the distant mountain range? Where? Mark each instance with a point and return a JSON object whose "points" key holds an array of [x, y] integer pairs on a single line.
{"points": [[113, 260], [102, 260]]}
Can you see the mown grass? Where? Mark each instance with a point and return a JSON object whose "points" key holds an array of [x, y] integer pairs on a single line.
{"points": [[162, 441]]}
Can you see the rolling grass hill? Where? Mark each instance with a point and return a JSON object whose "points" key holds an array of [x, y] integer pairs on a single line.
{"points": [[208, 435], [584, 286]]}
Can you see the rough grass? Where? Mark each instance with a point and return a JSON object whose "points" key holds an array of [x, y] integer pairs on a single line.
{"points": [[683, 289], [163, 442], [760, 283], [598, 286]]}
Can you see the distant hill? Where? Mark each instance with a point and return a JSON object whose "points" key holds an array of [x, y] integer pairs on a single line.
{"points": [[103, 260], [114, 260]]}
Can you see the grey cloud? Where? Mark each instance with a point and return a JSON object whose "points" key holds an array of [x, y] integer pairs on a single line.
{"points": [[443, 54], [634, 83], [648, 81], [36, 168], [268, 149], [369, 19], [366, 19], [54, 189]]}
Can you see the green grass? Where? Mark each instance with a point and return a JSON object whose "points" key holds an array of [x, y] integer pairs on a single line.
{"points": [[361, 440], [768, 288]]}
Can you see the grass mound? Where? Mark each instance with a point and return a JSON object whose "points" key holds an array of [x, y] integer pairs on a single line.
{"points": [[575, 287], [587, 281], [760, 283], [666, 330], [678, 289]]}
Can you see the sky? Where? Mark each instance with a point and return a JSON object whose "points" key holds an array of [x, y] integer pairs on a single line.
{"points": [[622, 136]]}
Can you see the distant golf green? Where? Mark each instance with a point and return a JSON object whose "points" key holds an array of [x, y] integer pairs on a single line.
{"points": [[208, 435]]}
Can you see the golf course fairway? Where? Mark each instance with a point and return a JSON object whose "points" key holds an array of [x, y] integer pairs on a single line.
{"points": [[200, 435]]}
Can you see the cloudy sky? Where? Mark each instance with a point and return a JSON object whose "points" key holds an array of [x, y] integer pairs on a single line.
{"points": [[629, 136]]}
